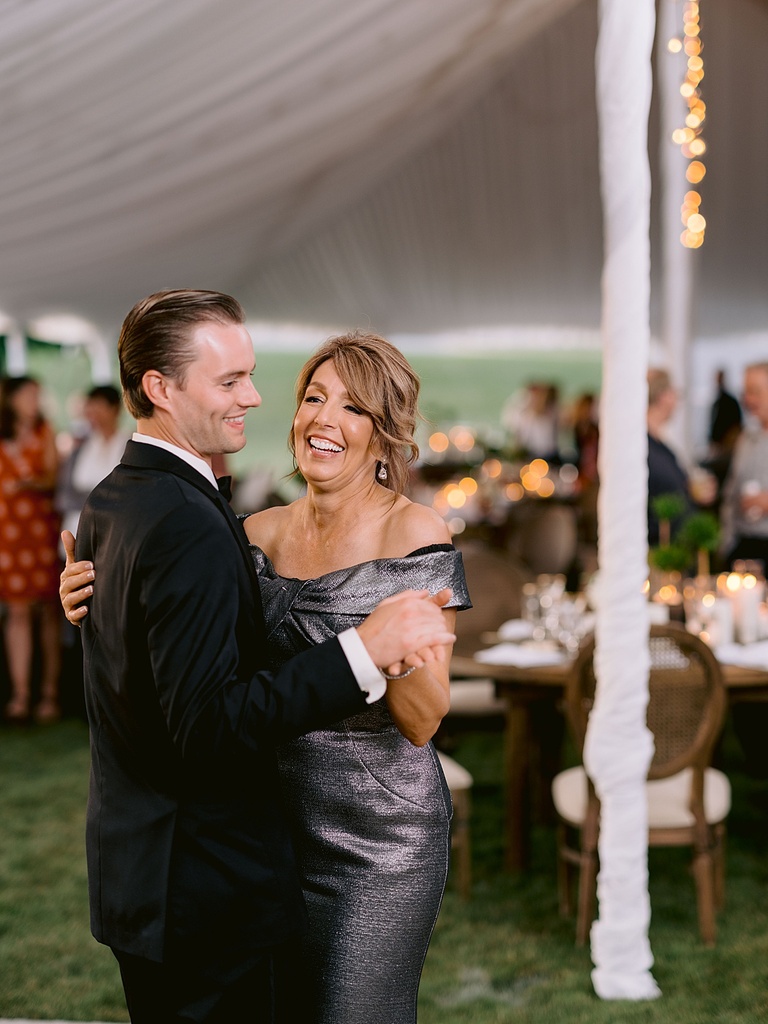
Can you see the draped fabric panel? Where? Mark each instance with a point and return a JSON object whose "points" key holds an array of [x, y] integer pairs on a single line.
{"points": [[415, 165]]}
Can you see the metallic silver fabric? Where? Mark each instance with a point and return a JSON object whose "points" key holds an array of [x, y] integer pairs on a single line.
{"points": [[370, 812]]}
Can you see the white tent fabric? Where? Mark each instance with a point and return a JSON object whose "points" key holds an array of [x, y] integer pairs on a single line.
{"points": [[414, 165], [619, 746]]}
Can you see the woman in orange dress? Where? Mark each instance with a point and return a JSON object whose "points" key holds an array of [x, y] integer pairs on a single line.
{"points": [[29, 566]]}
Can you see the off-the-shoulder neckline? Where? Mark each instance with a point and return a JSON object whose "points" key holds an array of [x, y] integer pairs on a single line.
{"points": [[358, 565]]}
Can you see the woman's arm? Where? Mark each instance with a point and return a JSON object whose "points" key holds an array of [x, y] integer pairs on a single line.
{"points": [[420, 701]]}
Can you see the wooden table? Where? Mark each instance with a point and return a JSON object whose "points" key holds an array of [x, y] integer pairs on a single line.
{"points": [[523, 688]]}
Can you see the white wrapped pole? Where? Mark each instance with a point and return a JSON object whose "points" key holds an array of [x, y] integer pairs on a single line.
{"points": [[619, 746], [677, 261]]}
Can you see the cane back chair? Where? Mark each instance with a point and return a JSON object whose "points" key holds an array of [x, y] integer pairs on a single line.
{"points": [[688, 800]]}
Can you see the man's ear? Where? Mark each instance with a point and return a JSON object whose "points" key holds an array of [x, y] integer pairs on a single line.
{"points": [[155, 386]]}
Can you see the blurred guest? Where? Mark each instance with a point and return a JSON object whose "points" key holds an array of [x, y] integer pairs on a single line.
{"points": [[665, 474], [725, 424], [744, 519], [586, 435], [744, 509], [94, 457], [725, 417], [29, 567], [533, 420]]}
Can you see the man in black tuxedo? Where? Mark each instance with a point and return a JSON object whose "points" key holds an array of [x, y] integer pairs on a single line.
{"points": [[192, 877]]}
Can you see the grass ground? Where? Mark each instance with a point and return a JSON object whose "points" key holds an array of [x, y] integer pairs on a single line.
{"points": [[506, 956]]}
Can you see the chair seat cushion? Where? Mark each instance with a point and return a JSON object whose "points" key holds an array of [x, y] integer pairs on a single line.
{"points": [[477, 697], [668, 799], [456, 775]]}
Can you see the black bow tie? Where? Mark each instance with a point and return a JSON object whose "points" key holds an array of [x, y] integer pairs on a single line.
{"points": [[225, 486]]}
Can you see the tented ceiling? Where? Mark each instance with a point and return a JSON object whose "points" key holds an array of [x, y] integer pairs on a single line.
{"points": [[409, 164]]}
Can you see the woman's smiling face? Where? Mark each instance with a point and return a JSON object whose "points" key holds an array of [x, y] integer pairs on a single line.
{"points": [[332, 435]]}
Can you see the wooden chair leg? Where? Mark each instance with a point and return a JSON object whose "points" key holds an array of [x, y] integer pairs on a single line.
{"points": [[564, 872], [704, 875], [719, 857], [461, 843], [590, 831], [585, 914]]}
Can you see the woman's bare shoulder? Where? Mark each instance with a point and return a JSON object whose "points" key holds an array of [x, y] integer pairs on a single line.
{"points": [[262, 527], [417, 526]]}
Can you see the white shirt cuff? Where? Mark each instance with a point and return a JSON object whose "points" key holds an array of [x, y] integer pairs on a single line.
{"points": [[368, 676]]}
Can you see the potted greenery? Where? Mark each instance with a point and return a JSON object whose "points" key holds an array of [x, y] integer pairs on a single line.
{"points": [[700, 533], [667, 508]]}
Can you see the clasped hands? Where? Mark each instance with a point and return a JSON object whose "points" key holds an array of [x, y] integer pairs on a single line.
{"points": [[403, 632], [407, 631]]}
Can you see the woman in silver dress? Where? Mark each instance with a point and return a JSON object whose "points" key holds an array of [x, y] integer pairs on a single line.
{"points": [[368, 803]]}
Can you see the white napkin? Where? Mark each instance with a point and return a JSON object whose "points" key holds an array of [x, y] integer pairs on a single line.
{"points": [[515, 630], [521, 655], [746, 655]]}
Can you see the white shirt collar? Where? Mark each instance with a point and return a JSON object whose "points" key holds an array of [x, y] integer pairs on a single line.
{"points": [[194, 461]]}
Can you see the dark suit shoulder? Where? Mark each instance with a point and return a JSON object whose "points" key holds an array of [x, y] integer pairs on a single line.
{"points": [[155, 490]]}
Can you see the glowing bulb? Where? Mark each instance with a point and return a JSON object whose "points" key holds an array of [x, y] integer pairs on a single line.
{"points": [[695, 172], [514, 492], [692, 198], [468, 485], [698, 147], [692, 240], [439, 442], [674, 45], [462, 438], [696, 222], [540, 466], [546, 488]]}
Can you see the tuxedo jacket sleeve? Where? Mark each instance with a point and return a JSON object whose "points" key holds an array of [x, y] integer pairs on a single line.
{"points": [[186, 842]]}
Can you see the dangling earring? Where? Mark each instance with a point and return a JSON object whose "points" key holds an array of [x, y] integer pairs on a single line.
{"points": [[382, 474]]}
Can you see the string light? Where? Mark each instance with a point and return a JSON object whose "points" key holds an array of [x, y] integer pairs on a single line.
{"points": [[689, 138]]}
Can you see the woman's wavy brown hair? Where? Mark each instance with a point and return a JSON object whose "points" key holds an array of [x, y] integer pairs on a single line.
{"points": [[381, 382]]}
